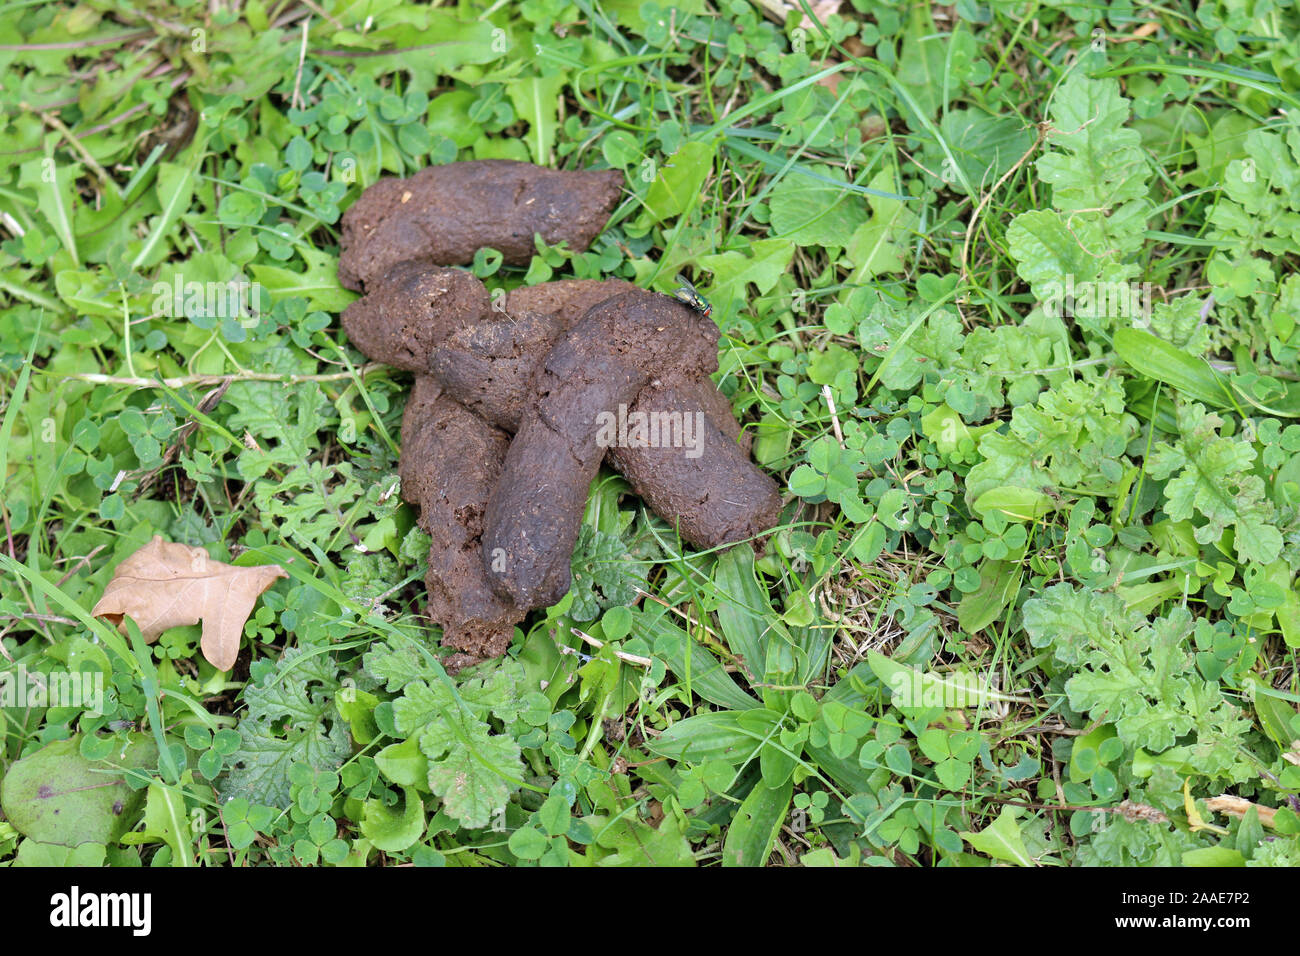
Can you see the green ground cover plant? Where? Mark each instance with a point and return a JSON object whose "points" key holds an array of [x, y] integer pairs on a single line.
{"points": [[1010, 307]]}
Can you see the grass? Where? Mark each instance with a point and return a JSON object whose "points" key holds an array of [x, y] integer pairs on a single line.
{"points": [[1031, 601]]}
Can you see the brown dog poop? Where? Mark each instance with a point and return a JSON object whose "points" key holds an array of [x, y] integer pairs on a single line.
{"points": [[577, 371], [445, 214], [451, 460]]}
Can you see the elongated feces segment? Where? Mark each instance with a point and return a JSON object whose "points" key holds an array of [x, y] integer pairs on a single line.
{"points": [[445, 214], [601, 364], [451, 459]]}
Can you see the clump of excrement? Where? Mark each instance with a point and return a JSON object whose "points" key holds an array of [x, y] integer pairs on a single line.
{"points": [[516, 406]]}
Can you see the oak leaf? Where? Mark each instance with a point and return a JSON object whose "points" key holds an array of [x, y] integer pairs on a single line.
{"points": [[165, 585]]}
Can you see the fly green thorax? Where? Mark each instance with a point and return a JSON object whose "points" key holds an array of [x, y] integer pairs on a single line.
{"points": [[687, 294]]}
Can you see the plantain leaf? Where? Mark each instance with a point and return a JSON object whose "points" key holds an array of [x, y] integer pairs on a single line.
{"points": [[752, 833], [1157, 359]]}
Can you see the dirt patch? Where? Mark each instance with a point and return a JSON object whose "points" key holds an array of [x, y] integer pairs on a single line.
{"points": [[573, 369]]}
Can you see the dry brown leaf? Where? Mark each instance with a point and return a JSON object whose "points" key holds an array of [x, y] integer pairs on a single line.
{"points": [[1133, 812], [166, 585], [778, 10], [1238, 807]]}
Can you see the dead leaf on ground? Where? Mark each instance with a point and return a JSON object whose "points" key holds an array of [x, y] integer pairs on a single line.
{"points": [[778, 10], [1239, 806], [165, 585]]}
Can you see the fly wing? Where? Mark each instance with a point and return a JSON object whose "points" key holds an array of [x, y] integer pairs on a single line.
{"points": [[687, 294]]}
